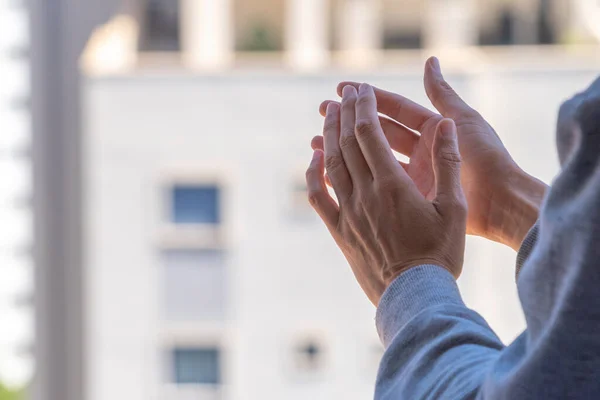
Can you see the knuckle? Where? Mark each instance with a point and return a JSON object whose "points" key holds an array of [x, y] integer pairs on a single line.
{"points": [[397, 109], [314, 198], [348, 140], [364, 127], [363, 100], [450, 156], [445, 87], [349, 103], [333, 162], [330, 126], [460, 206]]}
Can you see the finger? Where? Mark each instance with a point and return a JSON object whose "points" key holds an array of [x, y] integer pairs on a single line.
{"points": [[369, 134], [318, 195], [334, 161], [446, 166], [351, 151], [324, 104], [400, 138], [317, 144], [399, 108], [441, 94]]}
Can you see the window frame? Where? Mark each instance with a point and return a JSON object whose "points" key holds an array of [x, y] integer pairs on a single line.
{"points": [[194, 236], [210, 336], [144, 38]]}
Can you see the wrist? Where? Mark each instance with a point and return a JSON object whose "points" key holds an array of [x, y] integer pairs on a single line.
{"points": [[390, 274], [518, 204]]}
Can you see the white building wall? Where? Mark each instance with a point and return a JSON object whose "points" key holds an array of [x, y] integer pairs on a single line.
{"points": [[16, 280], [251, 132]]}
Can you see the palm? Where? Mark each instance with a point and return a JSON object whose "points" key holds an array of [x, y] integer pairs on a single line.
{"points": [[482, 152], [420, 168]]}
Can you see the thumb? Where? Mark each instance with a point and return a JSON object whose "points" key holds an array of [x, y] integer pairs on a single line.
{"points": [[446, 166], [441, 94]]}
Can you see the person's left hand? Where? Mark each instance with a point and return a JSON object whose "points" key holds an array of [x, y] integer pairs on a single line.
{"points": [[382, 222]]}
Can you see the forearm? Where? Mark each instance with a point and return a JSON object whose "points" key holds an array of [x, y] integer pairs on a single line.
{"points": [[515, 209], [436, 347]]}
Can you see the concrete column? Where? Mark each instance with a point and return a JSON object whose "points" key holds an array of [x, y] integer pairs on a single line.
{"points": [[206, 33], [450, 24], [585, 15], [307, 36], [361, 33]]}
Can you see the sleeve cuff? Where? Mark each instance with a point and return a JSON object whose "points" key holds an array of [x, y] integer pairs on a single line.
{"points": [[526, 248], [409, 294]]}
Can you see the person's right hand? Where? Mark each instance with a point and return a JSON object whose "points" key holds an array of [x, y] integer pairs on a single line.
{"points": [[503, 200]]}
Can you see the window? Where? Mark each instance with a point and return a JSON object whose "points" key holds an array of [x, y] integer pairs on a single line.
{"points": [[194, 284], [259, 25], [161, 30], [309, 356], [547, 29], [501, 30], [195, 205], [402, 23], [504, 24], [200, 366]]}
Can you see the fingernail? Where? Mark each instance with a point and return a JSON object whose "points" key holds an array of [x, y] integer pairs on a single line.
{"points": [[331, 108], [363, 88], [347, 90], [435, 63]]}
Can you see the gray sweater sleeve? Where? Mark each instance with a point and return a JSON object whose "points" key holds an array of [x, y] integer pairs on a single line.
{"points": [[437, 348]]}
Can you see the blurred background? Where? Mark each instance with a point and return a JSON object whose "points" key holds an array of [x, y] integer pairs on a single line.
{"points": [[156, 241]]}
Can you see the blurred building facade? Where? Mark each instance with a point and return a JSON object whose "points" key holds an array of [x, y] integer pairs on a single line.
{"points": [[16, 281], [207, 274], [203, 273], [303, 34]]}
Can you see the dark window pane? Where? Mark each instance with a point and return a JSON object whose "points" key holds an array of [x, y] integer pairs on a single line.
{"points": [[160, 31], [197, 366], [546, 29], [402, 40], [309, 356], [502, 32], [195, 205]]}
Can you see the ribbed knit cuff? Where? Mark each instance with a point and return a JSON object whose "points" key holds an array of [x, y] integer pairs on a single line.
{"points": [[410, 293], [526, 248]]}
